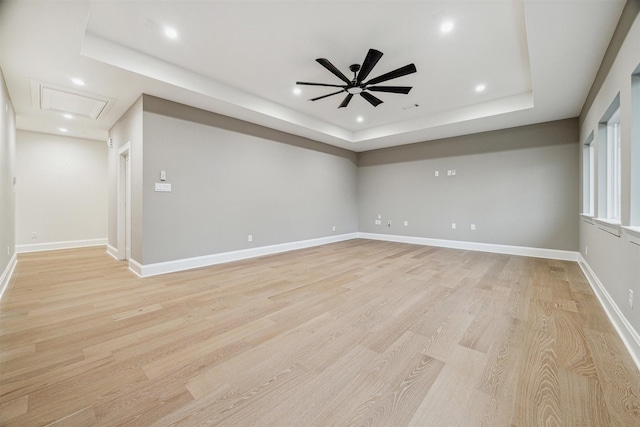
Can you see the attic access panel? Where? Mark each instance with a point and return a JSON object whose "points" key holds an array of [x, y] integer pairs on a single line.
{"points": [[59, 99]]}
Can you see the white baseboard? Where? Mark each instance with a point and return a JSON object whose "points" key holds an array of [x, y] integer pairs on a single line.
{"points": [[625, 330], [53, 246], [474, 246], [7, 273], [113, 252], [207, 260], [138, 269]]}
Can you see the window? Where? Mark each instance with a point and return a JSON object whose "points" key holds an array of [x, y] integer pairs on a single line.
{"points": [[588, 177], [633, 230], [614, 193], [608, 170], [635, 148]]}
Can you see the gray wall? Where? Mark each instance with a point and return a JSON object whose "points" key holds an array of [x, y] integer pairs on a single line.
{"points": [[615, 260], [231, 178], [7, 172], [62, 191], [518, 186]]}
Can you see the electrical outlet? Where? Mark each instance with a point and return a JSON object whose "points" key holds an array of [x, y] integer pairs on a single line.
{"points": [[453, 172], [250, 238], [449, 172], [631, 298], [406, 223], [334, 228], [473, 227], [379, 216], [34, 235], [453, 225], [586, 250], [437, 173]]}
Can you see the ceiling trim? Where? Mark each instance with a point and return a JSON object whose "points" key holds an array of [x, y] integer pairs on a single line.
{"points": [[233, 99], [243, 105]]}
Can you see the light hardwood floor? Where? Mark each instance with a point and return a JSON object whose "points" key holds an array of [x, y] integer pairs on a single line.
{"points": [[354, 333]]}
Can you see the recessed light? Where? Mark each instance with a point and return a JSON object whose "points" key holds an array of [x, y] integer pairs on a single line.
{"points": [[480, 88], [360, 119], [67, 116], [446, 26], [297, 91], [63, 129], [78, 81], [170, 32]]}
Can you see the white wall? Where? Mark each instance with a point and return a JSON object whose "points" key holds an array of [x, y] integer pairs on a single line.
{"points": [[128, 130], [7, 195], [61, 192]]}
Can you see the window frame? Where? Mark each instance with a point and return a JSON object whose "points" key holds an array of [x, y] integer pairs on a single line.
{"points": [[605, 170], [588, 177], [614, 168]]}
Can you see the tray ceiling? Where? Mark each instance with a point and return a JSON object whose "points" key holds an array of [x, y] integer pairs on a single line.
{"points": [[536, 60]]}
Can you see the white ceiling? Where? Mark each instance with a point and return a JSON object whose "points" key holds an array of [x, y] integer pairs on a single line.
{"points": [[537, 59]]}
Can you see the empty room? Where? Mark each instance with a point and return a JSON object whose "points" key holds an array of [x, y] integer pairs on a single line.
{"points": [[320, 213]]}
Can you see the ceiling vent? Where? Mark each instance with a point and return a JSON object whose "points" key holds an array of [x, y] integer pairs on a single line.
{"points": [[50, 97]]}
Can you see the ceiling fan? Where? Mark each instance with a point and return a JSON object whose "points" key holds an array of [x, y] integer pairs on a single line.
{"points": [[358, 86]]}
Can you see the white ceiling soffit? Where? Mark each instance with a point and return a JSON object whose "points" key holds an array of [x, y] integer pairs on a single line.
{"points": [[267, 70], [538, 59], [50, 97]]}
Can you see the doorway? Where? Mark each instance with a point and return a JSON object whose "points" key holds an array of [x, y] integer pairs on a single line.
{"points": [[124, 202]]}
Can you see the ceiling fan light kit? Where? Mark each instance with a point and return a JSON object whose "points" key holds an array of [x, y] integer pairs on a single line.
{"points": [[357, 86]]}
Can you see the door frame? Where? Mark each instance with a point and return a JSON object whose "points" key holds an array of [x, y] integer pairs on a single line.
{"points": [[124, 202]]}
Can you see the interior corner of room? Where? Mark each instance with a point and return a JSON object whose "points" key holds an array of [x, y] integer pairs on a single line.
{"points": [[171, 185]]}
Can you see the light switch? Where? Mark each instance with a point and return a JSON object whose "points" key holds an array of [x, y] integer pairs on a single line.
{"points": [[163, 175]]}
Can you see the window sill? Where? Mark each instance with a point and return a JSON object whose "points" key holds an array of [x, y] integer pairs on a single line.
{"points": [[608, 225], [588, 218], [633, 234]]}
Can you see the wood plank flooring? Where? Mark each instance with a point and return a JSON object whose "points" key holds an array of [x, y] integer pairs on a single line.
{"points": [[353, 333]]}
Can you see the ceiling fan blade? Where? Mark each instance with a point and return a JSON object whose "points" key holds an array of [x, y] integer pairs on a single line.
{"points": [[391, 89], [372, 58], [346, 100], [402, 71], [318, 84], [372, 99], [325, 96], [329, 66]]}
